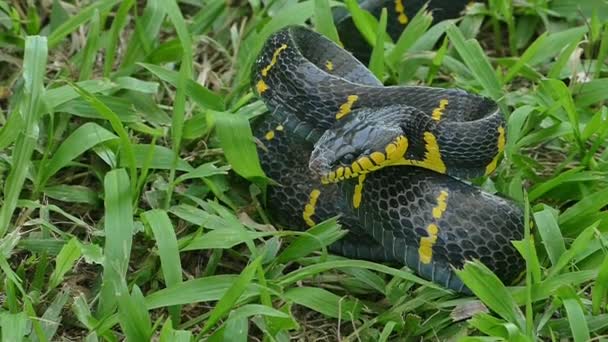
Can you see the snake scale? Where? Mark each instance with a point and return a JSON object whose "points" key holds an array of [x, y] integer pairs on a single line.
{"points": [[387, 159]]}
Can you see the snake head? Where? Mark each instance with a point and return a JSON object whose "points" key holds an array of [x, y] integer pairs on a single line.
{"points": [[355, 146]]}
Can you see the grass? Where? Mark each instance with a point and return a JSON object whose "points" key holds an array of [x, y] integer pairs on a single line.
{"points": [[132, 203]]}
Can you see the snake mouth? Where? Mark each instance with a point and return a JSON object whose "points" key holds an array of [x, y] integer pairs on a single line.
{"points": [[320, 162]]}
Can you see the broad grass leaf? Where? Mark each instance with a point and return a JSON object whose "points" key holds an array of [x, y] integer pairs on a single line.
{"points": [[492, 292], [82, 16], [52, 316], [34, 64], [232, 295], [201, 95], [221, 238], [13, 326], [118, 229], [156, 157], [576, 315], [410, 35], [164, 234], [476, 60], [325, 302], [134, 317], [73, 194], [81, 140], [317, 237], [204, 171], [237, 141], [376, 63], [323, 20], [552, 239], [204, 289], [599, 294], [319, 267], [64, 261]]}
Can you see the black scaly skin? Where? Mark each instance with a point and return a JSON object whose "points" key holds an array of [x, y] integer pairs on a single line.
{"points": [[397, 202], [299, 86]]}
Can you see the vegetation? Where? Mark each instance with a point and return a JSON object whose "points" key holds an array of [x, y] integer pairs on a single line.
{"points": [[132, 203]]}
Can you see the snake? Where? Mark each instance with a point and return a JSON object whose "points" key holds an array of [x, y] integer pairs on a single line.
{"points": [[391, 161]]}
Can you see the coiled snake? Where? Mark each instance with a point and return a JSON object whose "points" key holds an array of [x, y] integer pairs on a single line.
{"points": [[384, 158]]}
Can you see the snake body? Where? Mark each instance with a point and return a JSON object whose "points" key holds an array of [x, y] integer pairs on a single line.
{"points": [[384, 159]]}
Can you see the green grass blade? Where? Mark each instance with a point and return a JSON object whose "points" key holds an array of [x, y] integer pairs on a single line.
{"points": [[118, 229], [600, 289], [117, 126], [13, 326], [323, 21], [69, 254], [473, 56], [232, 295], [196, 290], [577, 247], [201, 95], [325, 302], [376, 63], [363, 20], [134, 317], [118, 23], [413, 31], [317, 237], [546, 223], [81, 140], [576, 315], [51, 319], [34, 64], [69, 26], [91, 47], [492, 292], [237, 141], [10, 131], [164, 234]]}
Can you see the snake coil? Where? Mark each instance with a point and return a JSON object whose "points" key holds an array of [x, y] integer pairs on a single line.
{"points": [[384, 158]]}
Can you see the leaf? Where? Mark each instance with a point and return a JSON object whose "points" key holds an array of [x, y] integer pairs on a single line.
{"points": [[196, 290], [376, 64], [134, 318], [118, 229], [80, 18], [51, 318], [475, 59], [324, 22], [579, 244], [34, 64], [222, 238], [317, 237], [64, 262], [204, 171], [546, 223], [325, 302], [168, 251], [201, 95], [161, 158], [229, 299], [236, 140], [13, 326], [492, 292], [363, 20], [576, 316], [81, 140], [413, 31], [72, 194], [600, 288]]}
